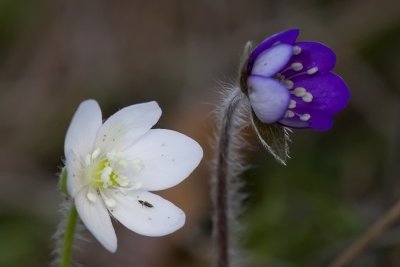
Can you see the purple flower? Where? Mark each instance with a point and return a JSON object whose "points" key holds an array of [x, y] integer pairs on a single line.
{"points": [[291, 82]]}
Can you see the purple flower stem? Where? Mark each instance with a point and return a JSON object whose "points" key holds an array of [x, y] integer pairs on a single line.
{"points": [[229, 125]]}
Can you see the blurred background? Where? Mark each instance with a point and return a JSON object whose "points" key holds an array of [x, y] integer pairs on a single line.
{"points": [[54, 54]]}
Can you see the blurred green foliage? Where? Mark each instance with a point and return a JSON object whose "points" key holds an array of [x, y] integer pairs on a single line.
{"points": [[304, 213], [23, 240], [15, 16], [380, 50]]}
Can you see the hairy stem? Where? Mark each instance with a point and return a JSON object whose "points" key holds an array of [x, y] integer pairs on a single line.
{"points": [[229, 127], [375, 231], [69, 234]]}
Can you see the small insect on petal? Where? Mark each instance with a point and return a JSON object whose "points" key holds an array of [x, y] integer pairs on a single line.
{"points": [[145, 203]]}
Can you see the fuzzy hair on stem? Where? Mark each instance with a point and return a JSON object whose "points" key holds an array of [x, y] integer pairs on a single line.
{"points": [[232, 117], [59, 236]]}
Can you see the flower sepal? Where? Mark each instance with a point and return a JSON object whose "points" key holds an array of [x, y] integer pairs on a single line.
{"points": [[274, 137], [62, 182], [243, 73]]}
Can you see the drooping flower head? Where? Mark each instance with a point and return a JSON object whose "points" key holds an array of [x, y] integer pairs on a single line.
{"points": [[291, 82], [112, 166]]}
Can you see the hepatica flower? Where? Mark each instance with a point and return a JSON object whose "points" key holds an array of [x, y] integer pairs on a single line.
{"points": [[112, 166], [291, 83]]}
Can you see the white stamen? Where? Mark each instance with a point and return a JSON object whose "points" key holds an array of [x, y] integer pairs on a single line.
{"points": [[299, 91], [296, 66], [123, 183], [305, 117], [109, 202], [289, 114], [292, 104], [105, 176], [122, 180], [111, 155], [308, 97], [288, 84], [312, 70], [96, 153], [122, 163], [296, 50], [92, 197], [87, 160]]}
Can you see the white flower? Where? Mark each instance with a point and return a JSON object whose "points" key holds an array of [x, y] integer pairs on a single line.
{"points": [[111, 167]]}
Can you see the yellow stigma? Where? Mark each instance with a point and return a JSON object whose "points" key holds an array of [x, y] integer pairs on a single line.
{"points": [[106, 170], [106, 175]]}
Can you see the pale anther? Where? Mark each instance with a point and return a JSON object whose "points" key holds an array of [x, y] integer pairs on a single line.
{"points": [[288, 84], [111, 155], [92, 197], [296, 50], [312, 70], [296, 66], [109, 202], [105, 176], [123, 182], [289, 114], [305, 117], [308, 97], [292, 104], [299, 91], [122, 163], [88, 160], [96, 153]]}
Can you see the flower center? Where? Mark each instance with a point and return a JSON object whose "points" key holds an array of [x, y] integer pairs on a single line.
{"points": [[106, 174]]}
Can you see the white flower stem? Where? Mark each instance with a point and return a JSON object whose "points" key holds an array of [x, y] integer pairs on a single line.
{"points": [[226, 169], [69, 234]]}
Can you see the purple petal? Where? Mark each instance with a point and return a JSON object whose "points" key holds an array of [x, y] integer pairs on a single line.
{"points": [[313, 57], [268, 98], [272, 60], [285, 37], [328, 92], [315, 119]]}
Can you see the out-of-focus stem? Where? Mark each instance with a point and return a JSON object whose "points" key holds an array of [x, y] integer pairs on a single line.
{"points": [[374, 232]]}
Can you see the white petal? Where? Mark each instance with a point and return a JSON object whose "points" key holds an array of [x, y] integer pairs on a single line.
{"points": [[75, 181], [83, 129], [124, 127], [148, 214], [167, 157], [272, 60], [97, 220], [268, 98]]}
